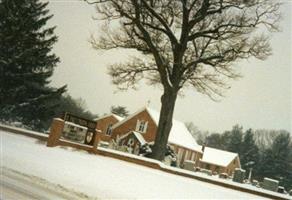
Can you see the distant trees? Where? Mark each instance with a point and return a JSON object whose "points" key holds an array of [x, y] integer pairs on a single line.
{"points": [[264, 138], [268, 152], [199, 135], [215, 140], [228, 140], [120, 110], [275, 161], [74, 106], [27, 63]]}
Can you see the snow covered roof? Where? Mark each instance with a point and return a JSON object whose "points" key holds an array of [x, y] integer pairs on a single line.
{"points": [[179, 134], [119, 118], [218, 157], [138, 135]]}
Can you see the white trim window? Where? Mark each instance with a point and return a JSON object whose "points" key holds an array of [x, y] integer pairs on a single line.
{"points": [[109, 129], [141, 126]]}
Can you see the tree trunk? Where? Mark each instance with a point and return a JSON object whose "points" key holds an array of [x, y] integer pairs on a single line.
{"points": [[168, 100]]}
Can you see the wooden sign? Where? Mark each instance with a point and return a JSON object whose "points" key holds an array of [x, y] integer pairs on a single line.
{"points": [[91, 125]]}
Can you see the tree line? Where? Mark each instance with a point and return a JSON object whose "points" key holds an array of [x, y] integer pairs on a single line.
{"points": [[267, 152]]}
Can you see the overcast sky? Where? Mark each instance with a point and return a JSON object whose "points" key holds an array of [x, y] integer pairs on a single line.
{"points": [[261, 99]]}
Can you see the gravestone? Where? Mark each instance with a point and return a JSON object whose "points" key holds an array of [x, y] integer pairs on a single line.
{"points": [[281, 189], [206, 171], [270, 184], [223, 175], [189, 165]]}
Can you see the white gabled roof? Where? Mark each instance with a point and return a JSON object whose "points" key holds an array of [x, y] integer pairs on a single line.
{"points": [[218, 157], [138, 135], [179, 134], [119, 118]]}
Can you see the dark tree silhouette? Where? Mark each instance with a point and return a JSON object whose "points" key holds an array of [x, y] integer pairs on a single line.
{"points": [[120, 110], [26, 62]]}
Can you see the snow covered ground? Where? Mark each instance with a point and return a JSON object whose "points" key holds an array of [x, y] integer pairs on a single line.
{"points": [[102, 177], [16, 185]]}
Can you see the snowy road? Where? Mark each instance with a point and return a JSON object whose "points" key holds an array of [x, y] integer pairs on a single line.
{"points": [[15, 186]]}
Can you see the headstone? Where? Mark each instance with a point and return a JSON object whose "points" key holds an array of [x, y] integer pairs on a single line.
{"points": [[239, 175], [189, 165], [167, 160], [206, 171], [270, 184], [281, 189], [254, 182], [223, 175]]}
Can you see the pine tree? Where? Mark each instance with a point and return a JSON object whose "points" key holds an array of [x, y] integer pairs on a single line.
{"points": [[215, 140], [120, 110], [235, 140], [275, 161], [26, 62], [249, 152]]}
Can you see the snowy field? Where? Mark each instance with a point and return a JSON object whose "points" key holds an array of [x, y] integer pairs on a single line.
{"points": [[102, 177]]}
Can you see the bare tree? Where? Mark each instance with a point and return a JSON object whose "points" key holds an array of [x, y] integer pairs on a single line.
{"points": [[184, 43]]}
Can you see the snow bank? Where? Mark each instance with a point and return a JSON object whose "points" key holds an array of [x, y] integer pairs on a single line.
{"points": [[100, 176]]}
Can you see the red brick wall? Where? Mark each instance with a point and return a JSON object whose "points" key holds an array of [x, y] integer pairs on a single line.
{"points": [[102, 124], [130, 125], [55, 132], [188, 156]]}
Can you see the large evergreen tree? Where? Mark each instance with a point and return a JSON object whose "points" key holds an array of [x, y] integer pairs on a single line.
{"points": [[249, 152], [235, 140], [26, 62]]}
